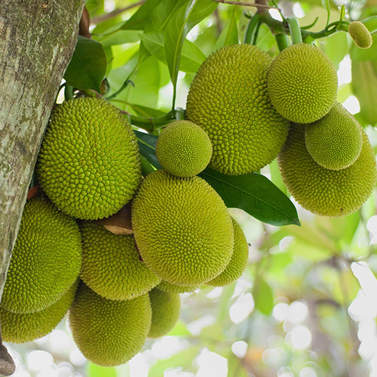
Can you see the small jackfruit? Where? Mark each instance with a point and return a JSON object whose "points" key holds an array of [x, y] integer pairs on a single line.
{"points": [[332, 193], [182, 228], [89, 164], [111, 265], [238, 263], [302, 83], [171, 288], [183, 149], [360, 34], [228, 98], [21, 328], [334, 141], [46, 258], [165, 312], [107, 332]]}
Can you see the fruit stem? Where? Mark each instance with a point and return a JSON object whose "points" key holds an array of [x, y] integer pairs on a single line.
{"points": [[252, 29], [294, 30], [281, 41], [152, 124]]}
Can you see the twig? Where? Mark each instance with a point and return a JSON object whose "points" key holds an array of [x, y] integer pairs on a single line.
{"points": [[262, 6], [114, 13]]}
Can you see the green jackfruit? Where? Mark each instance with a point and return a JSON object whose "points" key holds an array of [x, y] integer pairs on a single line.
{"points": [[183, 149], [302, 83], [360, 34], [165, 312], [171, 288], [182, 228], [228, 99], [238, 263], [21, 328], [325, 192], [335, 141], [111, 265], [108, 332], [89, 164], [46, 258]]}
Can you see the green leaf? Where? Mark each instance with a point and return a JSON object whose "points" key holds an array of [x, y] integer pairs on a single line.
{"points": [[266, 39], [119, 37], [144, 111], [95, 7], [191, 59], [140, 18], [147, 146], [178, 28], [263, 297], [229, 35], [364, 85], [98, 371], [360, 54], [335, 47], [255, 194], [88, 65], [163, 13]]}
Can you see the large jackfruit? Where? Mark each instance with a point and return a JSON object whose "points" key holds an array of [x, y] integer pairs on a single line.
{"points": [[228, 99], [46, 258], [325, 192], [182, 228], [89, 164], [108, 332], [302, 83], [111, 265], [335, 140], [21, 328]]}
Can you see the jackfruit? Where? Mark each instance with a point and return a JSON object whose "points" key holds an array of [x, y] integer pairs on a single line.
{"points": [[21, 328], [89, 164], [332, 193], [107, 332], [165, 312], [302, 83], [171, 288], [237, 264], [183, 149], [360, 34], [182, 228], [111, 265], [335, 141], [228, 98], [46, 258]]}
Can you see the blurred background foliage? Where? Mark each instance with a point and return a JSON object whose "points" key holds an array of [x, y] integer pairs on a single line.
{"points": [[306, 305]]}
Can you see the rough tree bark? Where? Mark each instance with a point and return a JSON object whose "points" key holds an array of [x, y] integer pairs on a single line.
{"points": [[37, 40]]}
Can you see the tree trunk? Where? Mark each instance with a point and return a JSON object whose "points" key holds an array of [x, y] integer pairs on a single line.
{"points": [[37, 40]]}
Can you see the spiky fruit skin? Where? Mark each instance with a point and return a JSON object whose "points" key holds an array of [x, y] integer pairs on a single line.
{"points": [[302, 83], [89, 164], [108, 332], [238, 263], [182, 228], [360, 34], [332, 193], [111, 265], [228, 98], [21, 328], [171, 288], [46, 258], [334, 141], [165, 312], [183, 149]]}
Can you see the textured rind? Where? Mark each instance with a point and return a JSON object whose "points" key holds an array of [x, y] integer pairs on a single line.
{"points": [[182, 228], [238, 263], [171, 288], [165, 312], [183, 149], [335, 141], [111, 265], [302, 83], [46, 259], [228, 98], [360, 34], [332, 193], [89, 163], [107, 332], [21, 328]]}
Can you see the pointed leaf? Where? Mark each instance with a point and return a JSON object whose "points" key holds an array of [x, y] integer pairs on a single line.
{"points": [[147, 146], [163, 13], [229, 35]]}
